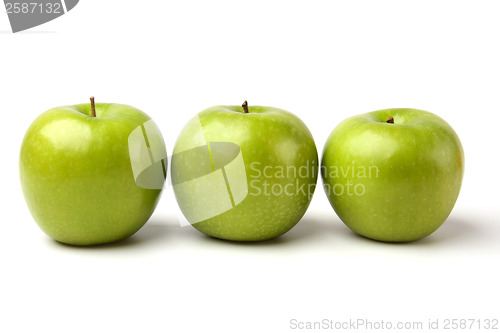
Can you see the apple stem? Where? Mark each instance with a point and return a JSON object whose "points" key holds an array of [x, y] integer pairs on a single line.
{"points": [[92, 106], [390, 120], [245, 106]]}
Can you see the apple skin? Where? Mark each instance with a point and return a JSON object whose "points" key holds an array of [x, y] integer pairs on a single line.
{"points": [[77, 178], [268, 137], [420, 163]]}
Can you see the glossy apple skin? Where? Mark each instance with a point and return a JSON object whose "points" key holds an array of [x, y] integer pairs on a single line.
{"points": [[420, 164], [271, 137], [76, 174]]}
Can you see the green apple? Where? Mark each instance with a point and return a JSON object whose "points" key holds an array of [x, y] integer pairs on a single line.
{"points": [[244, 173], [84, 172], [393, 175]]}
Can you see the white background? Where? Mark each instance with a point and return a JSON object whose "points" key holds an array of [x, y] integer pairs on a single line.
{"points": [[322, 60]]}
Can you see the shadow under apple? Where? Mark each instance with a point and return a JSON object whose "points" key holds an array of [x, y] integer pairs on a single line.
{"points": [[155, 230], [455, 230], [308, 229]]}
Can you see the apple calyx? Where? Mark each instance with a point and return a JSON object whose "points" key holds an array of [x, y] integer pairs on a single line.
{"points": [[92, 106], [245, 106], [390, 120]]}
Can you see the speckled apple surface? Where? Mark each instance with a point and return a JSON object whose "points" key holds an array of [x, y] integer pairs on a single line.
{"points": [[76, 174], [268, 137], [411, 172]]}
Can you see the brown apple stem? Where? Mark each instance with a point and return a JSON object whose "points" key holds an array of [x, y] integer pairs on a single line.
{"points": [[245, 106], [390, 120], [92, 106]]}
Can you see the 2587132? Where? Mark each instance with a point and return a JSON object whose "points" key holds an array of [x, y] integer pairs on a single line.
{"points": [[469, 324], [33, 7]]}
